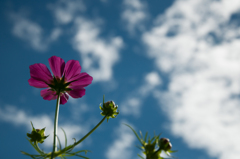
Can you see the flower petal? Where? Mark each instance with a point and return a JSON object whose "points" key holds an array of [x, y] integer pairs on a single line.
{"points": [[82, 79], [77, 93], [64, 98], [36, 83], [57, 65], [40, 72], [72, 68], [48, 94]]}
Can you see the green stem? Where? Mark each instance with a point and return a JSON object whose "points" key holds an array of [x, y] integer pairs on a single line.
{"points": [[78, 142], [91, 131], [155, 153], [38, 149], [56, 125]]}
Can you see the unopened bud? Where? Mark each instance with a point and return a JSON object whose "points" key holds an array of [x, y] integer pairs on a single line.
{"points": [[164, 144], [109, 109], [37, 135], [37, 130], [110, 102]]}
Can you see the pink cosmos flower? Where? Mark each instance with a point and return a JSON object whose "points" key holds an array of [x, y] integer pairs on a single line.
{"points": [[66, 79]]}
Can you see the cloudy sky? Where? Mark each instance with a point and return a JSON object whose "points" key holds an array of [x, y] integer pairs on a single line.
{"points": [[172, 67]]}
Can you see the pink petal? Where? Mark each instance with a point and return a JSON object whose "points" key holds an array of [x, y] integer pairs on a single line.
{"points": [[57, 65], [82, 79], [41, 73], [64, 98], [48, 94], [36, 83], [72, 68], [77, 93]]}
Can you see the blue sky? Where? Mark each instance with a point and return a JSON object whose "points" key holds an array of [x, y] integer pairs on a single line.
{"points": [[172, 67]]}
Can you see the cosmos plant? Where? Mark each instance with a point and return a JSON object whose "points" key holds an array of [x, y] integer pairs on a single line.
{"points": [[67, 79]]}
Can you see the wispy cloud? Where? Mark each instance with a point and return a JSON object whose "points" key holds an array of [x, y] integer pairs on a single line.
{"points": [[32, 33], [65, 11], [134, 14], [99, 55], [13, 115], [132, 105], [197, 44], [122, 145]]}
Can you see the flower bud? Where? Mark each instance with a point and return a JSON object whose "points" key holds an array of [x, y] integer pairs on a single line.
{"points": [[37, 135], [164, 144], [109, 102], [109, 109]]}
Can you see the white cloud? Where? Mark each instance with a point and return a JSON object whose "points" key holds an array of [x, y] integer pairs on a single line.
{"points": [[132, 105], [122, 145], [56, 32], [134, 14], [98, 54], [153, 79], [32, 33], [65, 11], [20, 118], [198, 46]]}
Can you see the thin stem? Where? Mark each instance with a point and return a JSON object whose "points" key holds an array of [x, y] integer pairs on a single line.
{"points": [[56, 126], [155, 152], [91, 130], [38, 149], [78, 142]]}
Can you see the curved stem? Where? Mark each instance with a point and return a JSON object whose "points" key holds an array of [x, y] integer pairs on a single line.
{"points": [[55, 126], [79, 141], [91, 131], [38, 149]]}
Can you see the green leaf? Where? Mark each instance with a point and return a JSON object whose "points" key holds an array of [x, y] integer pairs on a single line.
{"points": [[172, 151], [141, 134], [32, 126], [135, 133], [65, 136], [77, 154], [145, 138], [35, 147], [139, 147], [140, 156], [59, 143]]}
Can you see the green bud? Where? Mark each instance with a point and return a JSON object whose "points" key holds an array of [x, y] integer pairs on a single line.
{"points": [[109, 109], [37, 135], [164, 144]]}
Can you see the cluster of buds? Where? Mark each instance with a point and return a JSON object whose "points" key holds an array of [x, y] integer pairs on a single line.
{"points": [[153, 147], [109, 109], [163, 144]]}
